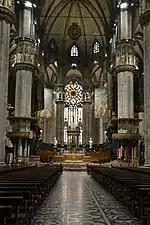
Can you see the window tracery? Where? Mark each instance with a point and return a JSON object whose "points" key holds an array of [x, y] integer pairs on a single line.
{"points": [[52, 45], [73, 110], [96, 48], [74, 51], [74, 93]]}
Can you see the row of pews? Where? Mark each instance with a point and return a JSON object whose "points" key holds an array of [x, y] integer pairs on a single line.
{"points": [[130, 186], [22, 192]]}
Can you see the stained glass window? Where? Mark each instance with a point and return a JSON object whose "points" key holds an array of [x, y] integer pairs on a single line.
{"points": [[74, 51], [52, 45], [73, 110], [96, 48], [74, 93]]}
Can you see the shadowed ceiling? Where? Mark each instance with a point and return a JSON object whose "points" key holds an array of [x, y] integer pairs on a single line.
{"points": [[93, 17]]}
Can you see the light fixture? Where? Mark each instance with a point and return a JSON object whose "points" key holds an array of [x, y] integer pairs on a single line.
{"points": [[74, 65], [55, 63], [28, 4], [124, 5]]}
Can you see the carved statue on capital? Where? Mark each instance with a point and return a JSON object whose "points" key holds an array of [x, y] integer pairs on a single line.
{"points": [[6, 3], [130, 59], [123, 58], [59, 95], [26, 53], [125, 54], [117, 59], [87, 96]]}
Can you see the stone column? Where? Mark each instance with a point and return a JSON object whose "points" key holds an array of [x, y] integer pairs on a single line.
{"points": [[125, 71], [101, 131], [125, 80], [125, 63], [49, 116], [145, 22], [60, 115], [125, 77], [141, 124], [87, 117], [110, 93], [6, 18], [49, 128], [24, 67]]}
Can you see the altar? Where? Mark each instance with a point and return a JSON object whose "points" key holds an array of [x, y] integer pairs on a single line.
{"points": [[73, 156]]}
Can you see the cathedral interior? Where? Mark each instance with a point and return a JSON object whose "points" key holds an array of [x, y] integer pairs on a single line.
{"points": [[74, 91], [73, 77]]}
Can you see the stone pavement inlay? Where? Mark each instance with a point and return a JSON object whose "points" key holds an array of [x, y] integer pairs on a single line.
{"points": [[70, 203]]}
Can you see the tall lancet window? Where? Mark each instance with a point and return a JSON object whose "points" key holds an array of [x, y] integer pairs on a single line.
{"points": [[74, 51], [74, 93], [52, 46], [73, 111], [96, 48]]}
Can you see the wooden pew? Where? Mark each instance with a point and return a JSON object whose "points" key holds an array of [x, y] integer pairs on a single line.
{"points": [[5, 212], [131, 188], [26, 190]]}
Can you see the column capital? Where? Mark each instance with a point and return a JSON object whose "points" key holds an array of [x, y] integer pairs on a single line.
{"points": [[59, 86], [87, 97], [60, 94], [25, 39], [59, 102], [145, 18], [122, 68], [86, 102], [25, 54], [125, 57], [125, 42], [6, 14]]}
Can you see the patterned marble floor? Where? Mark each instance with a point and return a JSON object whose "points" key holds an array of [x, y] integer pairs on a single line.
{"points": [[77, 199]]}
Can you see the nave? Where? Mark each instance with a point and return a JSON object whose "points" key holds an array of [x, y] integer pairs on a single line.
{"points": [[77, 199]]}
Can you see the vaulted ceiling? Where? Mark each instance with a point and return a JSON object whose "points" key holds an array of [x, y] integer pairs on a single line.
{"points": [[91, 20]]}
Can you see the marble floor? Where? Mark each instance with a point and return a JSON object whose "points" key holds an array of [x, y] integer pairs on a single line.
{"points": [[77, 199]]}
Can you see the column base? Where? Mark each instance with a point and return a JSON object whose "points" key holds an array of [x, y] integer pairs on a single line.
{"points": [[145, 166], [25, 160], [19, 160], [2, 164]]}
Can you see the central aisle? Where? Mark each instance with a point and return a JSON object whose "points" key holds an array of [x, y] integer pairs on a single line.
{"points": [[77, 199]]}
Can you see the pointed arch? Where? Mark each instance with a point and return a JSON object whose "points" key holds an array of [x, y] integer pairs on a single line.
{"points": [[96, 47], [74, 52], [52, 45]]}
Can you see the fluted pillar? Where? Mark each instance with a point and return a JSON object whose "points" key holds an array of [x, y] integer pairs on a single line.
{"points": [[101, 130], [125, 71], [49, 127], [87, 117], [60, 115], [24, 67], [6, 18], [125, 62], [110, 92], [49, 120], [145, 22]]}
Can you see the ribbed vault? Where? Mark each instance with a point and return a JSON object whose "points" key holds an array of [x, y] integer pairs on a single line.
{"points": [[94, 17]]}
